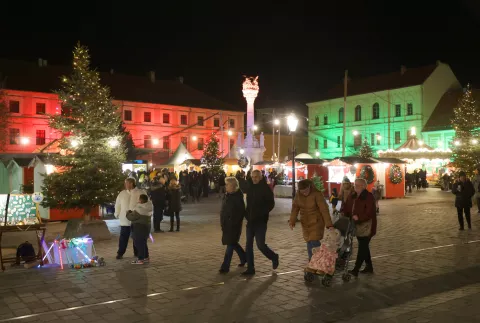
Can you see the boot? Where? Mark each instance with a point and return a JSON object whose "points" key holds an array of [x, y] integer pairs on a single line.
{"points": [[171, 226], [178, 225]]}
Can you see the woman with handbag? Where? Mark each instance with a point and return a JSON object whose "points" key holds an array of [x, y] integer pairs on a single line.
{"points": [[360, 206]]}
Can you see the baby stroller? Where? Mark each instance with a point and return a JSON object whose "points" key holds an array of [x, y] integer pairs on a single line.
{"points": [[346, 226]]}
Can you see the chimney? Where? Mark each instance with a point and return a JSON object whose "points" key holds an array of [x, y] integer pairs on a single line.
{"points": [[112, 71], [44, 63], [403, 69], [152, 76], [40, 62], [180, 79]]}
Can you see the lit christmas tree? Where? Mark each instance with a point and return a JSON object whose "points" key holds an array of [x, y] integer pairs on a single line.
{"points": [[212, 156], [318, 182], [4, 114], [366, 151], [91, 151], [466, 121]]}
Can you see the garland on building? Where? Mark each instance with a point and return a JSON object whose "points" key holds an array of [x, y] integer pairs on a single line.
{"points": [[367, 173], [395, 174]]}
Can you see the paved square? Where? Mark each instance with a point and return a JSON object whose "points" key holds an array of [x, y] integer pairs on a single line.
{"points": [[425, 271]]}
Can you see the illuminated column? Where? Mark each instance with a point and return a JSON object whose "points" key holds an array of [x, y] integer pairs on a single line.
{"points": [[250, 92]]}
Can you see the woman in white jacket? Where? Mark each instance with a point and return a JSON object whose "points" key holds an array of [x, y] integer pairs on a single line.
{"points": [[126, 201]]}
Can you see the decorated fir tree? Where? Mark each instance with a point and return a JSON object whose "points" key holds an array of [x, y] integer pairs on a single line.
{"points": [[318, 182], [127, 142], [366, 151], [91, 153], [465, 122], [212, 156], [4, 120]]}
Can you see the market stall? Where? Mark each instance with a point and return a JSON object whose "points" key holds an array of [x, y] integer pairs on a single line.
{"points": [[391, 174]]}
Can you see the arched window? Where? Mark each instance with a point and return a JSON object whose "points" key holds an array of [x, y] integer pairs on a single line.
{"points": [[340, 115], [325, 119], [317, 121], [358, 113], [375, 111]]}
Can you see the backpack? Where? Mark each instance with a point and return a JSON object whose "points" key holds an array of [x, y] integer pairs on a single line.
{"points": [[25, 252]]}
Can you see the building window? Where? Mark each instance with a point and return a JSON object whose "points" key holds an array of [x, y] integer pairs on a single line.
{"points": [[339, 141], [378, 138], [147, 117], [340, 115], [166, 142], [375, 111], [357, 140], [40, 137], [409, 109], [397, 137], [66, 111], [317, 121], [200, 143], [358, 113], [184, 141], [147, 141], [232, 142], [325, 119], [14, 136], [183, 119], [232, 123], [398, 110], [216, 122], [166, 118], [372, 139], [325, 143], [316, 144], [127, 115], [14, 106], [40, 108], [200, 121]]}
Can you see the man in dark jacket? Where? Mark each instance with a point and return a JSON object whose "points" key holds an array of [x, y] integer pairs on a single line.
{"points": [[464, 191], [260, 202], [158, 195]]}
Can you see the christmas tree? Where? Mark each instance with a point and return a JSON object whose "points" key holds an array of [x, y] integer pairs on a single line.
{"points": [[4, 114], [318, 182], [91, 153], [465, 122], [212, 157], [127, 142], [366, 151]]}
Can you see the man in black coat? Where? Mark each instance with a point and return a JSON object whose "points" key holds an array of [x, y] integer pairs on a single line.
{"points": [[464, 191], [260, 201], [158, 195]]}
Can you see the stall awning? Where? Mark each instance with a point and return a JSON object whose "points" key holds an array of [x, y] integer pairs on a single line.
{"points": [[415, 149], [390, 160], [180, 155], [352, 160]]}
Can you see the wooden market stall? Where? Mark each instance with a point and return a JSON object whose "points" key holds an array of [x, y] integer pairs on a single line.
{"points": [[391, 174]]}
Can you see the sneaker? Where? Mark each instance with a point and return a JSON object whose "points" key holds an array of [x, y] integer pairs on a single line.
{"points": [[276, 261], [249, 272], [118, 257], [137, 262], [146, 260]]}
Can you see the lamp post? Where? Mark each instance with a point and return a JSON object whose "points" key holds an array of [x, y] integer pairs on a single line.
{"points": [[276, 122], [292, 123]]}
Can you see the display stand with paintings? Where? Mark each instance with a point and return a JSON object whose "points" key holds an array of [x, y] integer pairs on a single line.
{"points": [[19, 213]]}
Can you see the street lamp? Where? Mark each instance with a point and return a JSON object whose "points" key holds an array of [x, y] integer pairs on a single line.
{"points": [[194, 138], [292, 123], [155, 141], [355, 132], [276, 122], [230, 132], [317, 154], [242, 151], [24, 141]]}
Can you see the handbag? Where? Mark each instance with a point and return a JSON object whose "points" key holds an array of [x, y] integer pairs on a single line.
{"points": [[362, 229]]}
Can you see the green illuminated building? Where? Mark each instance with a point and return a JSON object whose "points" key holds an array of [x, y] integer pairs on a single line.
{"points": [[383, 109]]}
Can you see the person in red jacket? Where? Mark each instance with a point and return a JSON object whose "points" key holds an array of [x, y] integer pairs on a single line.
{"points": [[360, 206]]}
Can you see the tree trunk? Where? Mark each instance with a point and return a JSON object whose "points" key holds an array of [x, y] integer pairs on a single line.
{"points": [[86, 214]]}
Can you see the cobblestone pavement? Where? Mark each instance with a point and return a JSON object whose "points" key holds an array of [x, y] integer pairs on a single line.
{"points": [[425, 271]]}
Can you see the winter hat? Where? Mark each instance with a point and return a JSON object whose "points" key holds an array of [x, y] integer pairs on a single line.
{"points": [[462, 173]]}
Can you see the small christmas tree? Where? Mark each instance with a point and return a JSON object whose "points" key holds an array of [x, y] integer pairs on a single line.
{"points": [[318, 182], [366, 151], [212, 156], [465, 122], [4, 115], [91, 152]]}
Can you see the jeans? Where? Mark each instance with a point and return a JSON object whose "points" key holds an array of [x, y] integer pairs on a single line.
{"points": [[363, 253], [157, 216], [310, 245], [140, 238], [125, 232], [257, 231], [229, 253], [460, 211], [175, 215]]}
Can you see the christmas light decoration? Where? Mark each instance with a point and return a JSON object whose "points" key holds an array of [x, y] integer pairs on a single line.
{"points": [[367, 173], [212, 156], [366, 151], [395, 174]]}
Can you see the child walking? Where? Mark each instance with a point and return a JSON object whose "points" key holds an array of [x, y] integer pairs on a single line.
{"points": [[141, 218]]}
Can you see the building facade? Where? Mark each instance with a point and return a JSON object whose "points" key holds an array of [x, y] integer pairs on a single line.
{"points": [[158, 114], [382, 109]]}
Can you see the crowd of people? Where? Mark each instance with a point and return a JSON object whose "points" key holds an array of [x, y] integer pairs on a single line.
{"points": [[415, 180]]}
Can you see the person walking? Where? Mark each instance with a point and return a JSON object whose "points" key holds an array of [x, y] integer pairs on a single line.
{"points": [[345, 189], [260, 201], [446, 183], [464, 191], [174, 206], [231, 219], [314, 214], [126, 201], [158, 195], [360, 206]]}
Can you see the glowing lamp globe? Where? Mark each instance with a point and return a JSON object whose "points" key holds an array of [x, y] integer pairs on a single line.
{"points": [[355, 133], [194, 138], [230, 132], [155, 141], [292, 122], [242, 151], [24, 141], [317, 153], [276, 122]]}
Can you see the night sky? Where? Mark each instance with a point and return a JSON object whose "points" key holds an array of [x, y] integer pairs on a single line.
{"points": [[298, 48]]}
